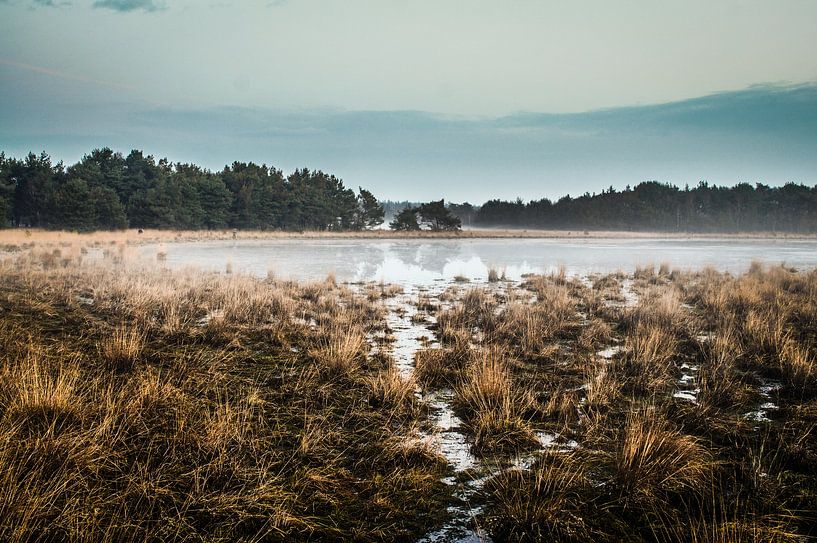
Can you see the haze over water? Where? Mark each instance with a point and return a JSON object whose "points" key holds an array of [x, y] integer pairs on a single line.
{"points": [[421, 262]]}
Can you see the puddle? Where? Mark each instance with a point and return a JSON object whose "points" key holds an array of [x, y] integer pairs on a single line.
{"points": [[688, 395], [630, 296], [449, 439], [409, 333], [761, 414], [609, 352]]}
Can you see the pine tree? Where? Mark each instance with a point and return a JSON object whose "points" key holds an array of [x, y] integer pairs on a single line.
{"points": [[370, 211], [405, 220], [438, 217]]}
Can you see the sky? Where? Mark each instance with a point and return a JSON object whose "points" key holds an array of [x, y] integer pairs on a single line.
{"points": [[466, 100]]}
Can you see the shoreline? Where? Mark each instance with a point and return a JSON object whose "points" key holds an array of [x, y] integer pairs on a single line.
{"points": [[15, 237]]}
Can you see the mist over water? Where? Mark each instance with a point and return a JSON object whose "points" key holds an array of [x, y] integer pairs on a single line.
{"points": [[422, 262]]}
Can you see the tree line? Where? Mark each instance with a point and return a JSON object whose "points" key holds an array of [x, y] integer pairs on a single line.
{"points": [[664, 207], [107, 190]]}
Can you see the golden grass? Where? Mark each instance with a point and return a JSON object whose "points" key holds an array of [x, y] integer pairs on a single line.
{"points": [[660, 307], [551, 503], [488, 385], [392, 390], [652, 465], [247, 409], [648, 363], [341, 350], [651, 459], [602, 389], [492, 406], [229, 424], [34, 396], [440, 367], [121, 350]]}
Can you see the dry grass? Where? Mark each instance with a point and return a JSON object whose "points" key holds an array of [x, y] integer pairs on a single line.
{"points": [[492, 406], [251, 422], [16, 238], [652, 460], [647, 466], [121, 350], [798, 366], [246, 409], [392, 390], [440, 367], [488, 385], [553, 502], [602, 389], [649, 362], [341, 350], [495, 275], [528, 329], [37, 397], [660, 307]]}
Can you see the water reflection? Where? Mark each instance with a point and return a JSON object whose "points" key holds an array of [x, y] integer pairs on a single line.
{"points": [[422, 262]]}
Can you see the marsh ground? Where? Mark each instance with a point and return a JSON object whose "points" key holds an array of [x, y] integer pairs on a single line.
{"points": [[142, 403]]}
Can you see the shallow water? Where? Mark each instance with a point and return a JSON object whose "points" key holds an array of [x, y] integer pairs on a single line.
{"points": [[425, 262], [428, 267]]}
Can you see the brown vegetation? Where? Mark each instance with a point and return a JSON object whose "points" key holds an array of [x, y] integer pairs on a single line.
{"points": [[147, 405], [141, 405], [695, 427]]}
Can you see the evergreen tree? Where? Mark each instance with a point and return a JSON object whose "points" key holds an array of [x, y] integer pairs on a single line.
{"points": [[438, 217], [34, 187], [102, 167], [6, 192], [405, 220], [370, 211], [76, 206], [215, 201], [105, 190], [109, 213], [73, 208]]}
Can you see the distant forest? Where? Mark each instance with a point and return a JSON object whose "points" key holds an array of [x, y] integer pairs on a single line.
{"points": [[107, 190], [663, 207]]}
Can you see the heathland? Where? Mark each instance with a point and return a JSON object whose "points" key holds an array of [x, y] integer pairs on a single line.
{"points": [[139, 403]]}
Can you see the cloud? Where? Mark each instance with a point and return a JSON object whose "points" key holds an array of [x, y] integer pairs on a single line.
{"points": [[40, 3], [51, 3], [766, 134], [129, 5], [63, 75]]}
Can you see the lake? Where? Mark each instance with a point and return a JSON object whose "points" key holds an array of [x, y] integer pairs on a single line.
{"points": [[419, 262]]}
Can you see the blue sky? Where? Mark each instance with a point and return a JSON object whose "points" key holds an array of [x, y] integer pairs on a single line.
{"points": [[420, 100]]}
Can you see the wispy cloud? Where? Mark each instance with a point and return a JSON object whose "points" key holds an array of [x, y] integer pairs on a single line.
{"points": [[40, 3], [63, 75], [766, 134], [129, 5], [51, 3]]}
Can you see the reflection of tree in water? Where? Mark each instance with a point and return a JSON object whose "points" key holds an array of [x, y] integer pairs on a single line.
{"points": [[426, 260], [431, 256], [368, 260]]}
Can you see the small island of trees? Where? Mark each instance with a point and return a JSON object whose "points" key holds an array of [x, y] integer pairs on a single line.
{"points": [[431, 216]]}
